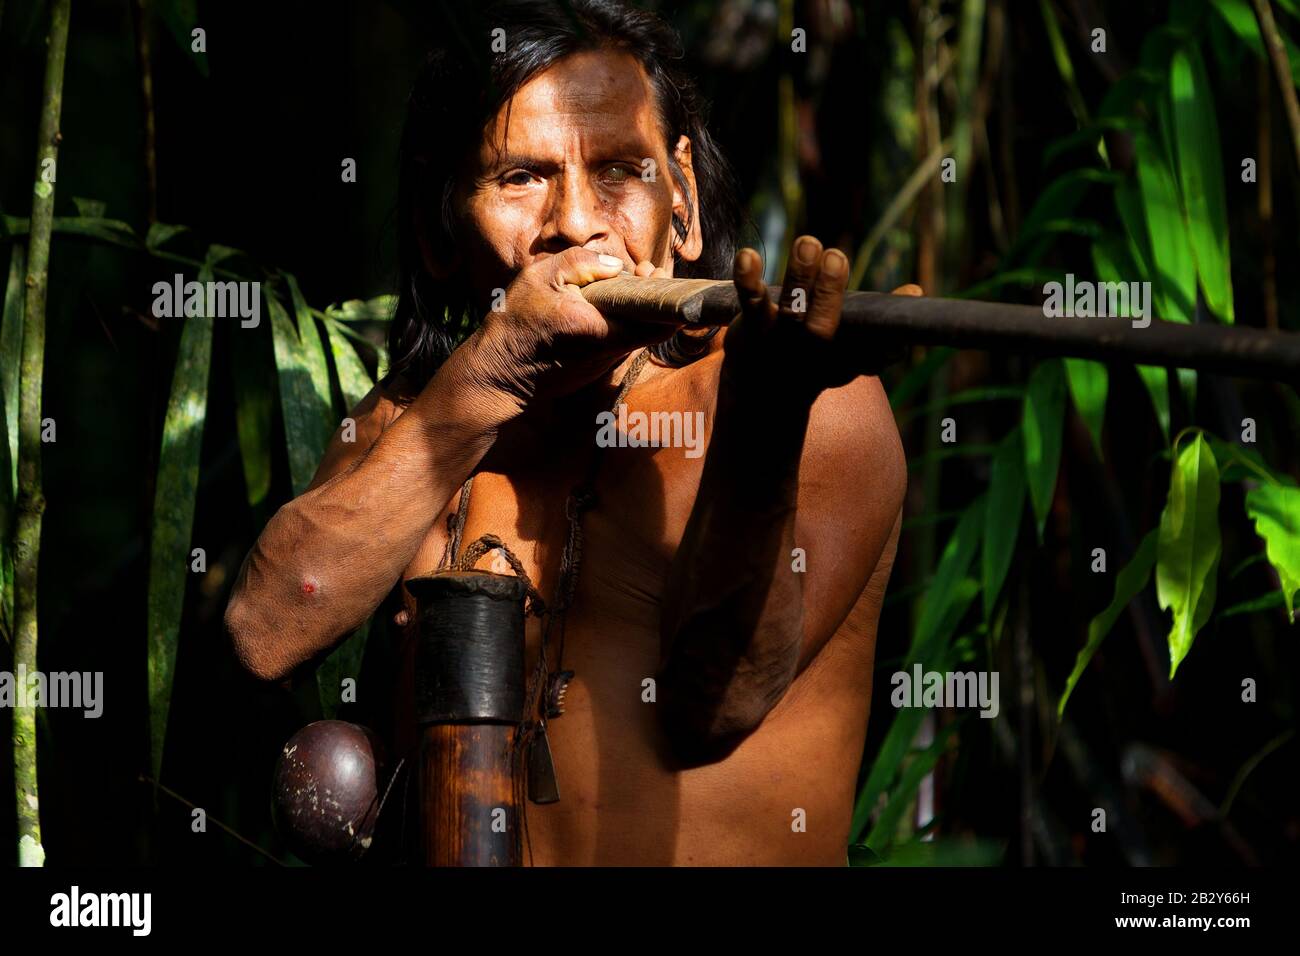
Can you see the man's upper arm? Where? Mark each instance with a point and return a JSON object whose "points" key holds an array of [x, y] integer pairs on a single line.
{"points": [[347, 447], [852, 479]]}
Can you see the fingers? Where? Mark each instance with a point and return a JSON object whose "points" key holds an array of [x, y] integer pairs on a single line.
{"points": [[910, 289], [747, 272], [828, 294], [647, 270], [800, 272], [578, 267]]}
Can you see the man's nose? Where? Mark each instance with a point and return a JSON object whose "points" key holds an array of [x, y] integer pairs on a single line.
{"points": [[577, 216]]}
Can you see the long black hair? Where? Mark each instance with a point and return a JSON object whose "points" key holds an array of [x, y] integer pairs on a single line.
{"points": [[459, 90]]}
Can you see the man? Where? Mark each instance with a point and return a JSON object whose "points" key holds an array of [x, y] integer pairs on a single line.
{"points": [[721, 694]]}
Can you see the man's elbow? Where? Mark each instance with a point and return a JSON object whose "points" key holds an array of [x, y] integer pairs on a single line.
{"points": [[248, 641]]}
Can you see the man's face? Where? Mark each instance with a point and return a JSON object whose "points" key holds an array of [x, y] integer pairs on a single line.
{"points": [[569, 172]]}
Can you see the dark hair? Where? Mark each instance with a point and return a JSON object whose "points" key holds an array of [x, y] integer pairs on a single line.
{"points": [[461, 88]]}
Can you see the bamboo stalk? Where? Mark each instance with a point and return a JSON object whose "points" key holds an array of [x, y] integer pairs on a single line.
{"points": [[1277, 54], [31, 500]]}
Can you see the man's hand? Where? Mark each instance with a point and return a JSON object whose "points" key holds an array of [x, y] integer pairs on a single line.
{"points": [[785, 348], [547, 341]]}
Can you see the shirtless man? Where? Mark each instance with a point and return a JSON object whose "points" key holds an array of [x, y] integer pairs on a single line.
{"points": [[763, 674]]}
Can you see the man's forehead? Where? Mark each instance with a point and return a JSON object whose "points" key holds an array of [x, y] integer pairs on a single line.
{"points": [[604, 94]]}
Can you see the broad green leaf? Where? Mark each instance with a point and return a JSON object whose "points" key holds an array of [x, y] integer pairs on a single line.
{"points": [[1089, 382], [1113, 264], [1200, 172], [935, 361], [1174, 280], [354, 380], [89, 208], [948, 597], [344, 662], [1058, 200], [1238, 462], [313, 352], [1240, 18], [902, 731], [1265, 602], [969, 396], [1156, 381], [108, 230], [954, 564], [378, 309], [254, 381], [1006, 502], [299, 403], [160, 234], [1131, 579], [1044, 416], [882, 833], [933, 853], [173, 516], [1275, 509], [1188, 550]]}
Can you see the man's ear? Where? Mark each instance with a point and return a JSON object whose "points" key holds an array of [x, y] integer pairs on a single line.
{"points": [[436, 265], [687, 207]]}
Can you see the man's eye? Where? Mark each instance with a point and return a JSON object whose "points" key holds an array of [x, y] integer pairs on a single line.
{"points": [[518, 178], [617, 174]]}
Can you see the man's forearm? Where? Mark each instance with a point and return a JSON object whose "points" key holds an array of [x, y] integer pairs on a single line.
{"points": [[733, 615], [327, 559]]}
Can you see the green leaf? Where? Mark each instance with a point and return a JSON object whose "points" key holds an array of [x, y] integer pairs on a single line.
{"points": [[1044, 416], [378, 309], [342, 663], [1006, 502], [917, 378], [1275, 509], [1130, 580], [354, 380], [1089, 382], [181, 17], [1174, 280], [254, 399], [1114, 263], [1238, 462], [1200, 171], [300, 405], [313, 354], [1265, 602], [949, 595], [1189, 547], [1240, 17], [160, 234], [92, 208], [173, 516], [882, 833], [1058, 200]]}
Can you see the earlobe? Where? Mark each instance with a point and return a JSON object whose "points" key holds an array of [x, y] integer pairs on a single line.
{"points": [[686, 206]]}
